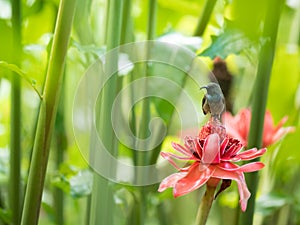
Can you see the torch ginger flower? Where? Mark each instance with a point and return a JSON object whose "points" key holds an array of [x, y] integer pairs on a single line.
{"points": [[238, 127], [213, 159]]}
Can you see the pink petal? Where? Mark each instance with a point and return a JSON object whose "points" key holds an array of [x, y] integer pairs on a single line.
{"points": [[281, 122], [250, 167], [167, 157], [223, 145], [227, 166], [169, 154], [233, 132], [170, 181], [268, 123], [250, 154], [234, 148], [199, 149], [240, 179], [181, 149], [238, 126], [244, 119], [271, 133], [211, 149], [280, 133], [196, 177]]}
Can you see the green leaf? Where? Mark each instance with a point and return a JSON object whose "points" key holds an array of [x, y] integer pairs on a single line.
{"points": [[5, 216], [76, 182], [231, 41], [91, 48], [193, 43], [267, 204], [18, 71], [81, 184], [49, 210]]}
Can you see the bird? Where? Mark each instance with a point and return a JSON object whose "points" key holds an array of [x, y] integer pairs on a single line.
{"points": [[213, 101]]}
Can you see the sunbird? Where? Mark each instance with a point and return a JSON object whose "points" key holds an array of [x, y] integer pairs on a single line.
{"points": [[213, 101]]}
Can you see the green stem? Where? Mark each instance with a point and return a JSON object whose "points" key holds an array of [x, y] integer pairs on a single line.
{"points": [[15, 151], [61, 146], [143, 131], [151, 20], [88, 210], [15, 139], [260, 98], [126, 32], [205, 205], [161, 213], [102, 202], [205, 16], [47, 113]]}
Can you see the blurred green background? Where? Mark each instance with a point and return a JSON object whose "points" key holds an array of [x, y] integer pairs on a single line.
{"points": [[233, 32]]}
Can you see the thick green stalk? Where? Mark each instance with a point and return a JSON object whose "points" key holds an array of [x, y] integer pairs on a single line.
{"points": [[15, 139], [47, 113], [205, 205], [151, 20], [143, 131], [205, 16], [260, 97], [126, 32], [102, 202], [61, 146]]}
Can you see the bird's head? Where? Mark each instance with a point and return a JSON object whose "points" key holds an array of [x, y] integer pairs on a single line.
{"points": [[212, 89]]}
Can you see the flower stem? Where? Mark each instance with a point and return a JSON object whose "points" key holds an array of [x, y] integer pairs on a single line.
{"points": [[47, 113], [204, 18], [143, 131], [61, 146], [102, 199], [260, 98], [15, 140], [205, 205]]}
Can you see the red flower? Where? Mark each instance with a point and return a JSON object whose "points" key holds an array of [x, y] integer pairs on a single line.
{"points": [[212, 161], [238, 127]]}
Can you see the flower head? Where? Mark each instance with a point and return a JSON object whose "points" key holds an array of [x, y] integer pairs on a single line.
{"points": [[238, 127], [212, 160]]}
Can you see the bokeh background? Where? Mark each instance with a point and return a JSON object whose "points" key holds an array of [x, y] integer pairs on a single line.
{"points": [[226, 36]]}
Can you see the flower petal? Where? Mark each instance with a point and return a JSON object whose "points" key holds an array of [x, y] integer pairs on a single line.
{"points": [[280, 134], [268, 123], [238, 126], [249, 154], [235, 147], [181, 149], [211, 149], [168, 156], [223, 146], [170, 181], [250, 167], [240, 179], [271, 133], [197, 176], [198, 147]]}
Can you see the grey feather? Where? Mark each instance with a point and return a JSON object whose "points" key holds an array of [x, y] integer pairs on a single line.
{"points": [[213, 101]]}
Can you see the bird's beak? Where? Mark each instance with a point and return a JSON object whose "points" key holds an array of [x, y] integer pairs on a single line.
{"points": [[203, 87]]}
